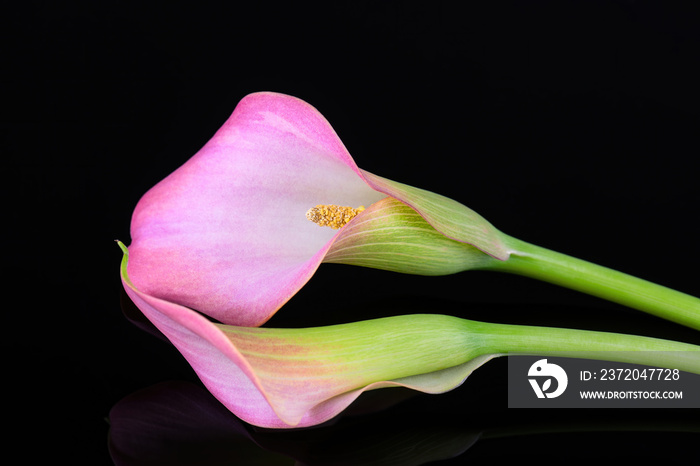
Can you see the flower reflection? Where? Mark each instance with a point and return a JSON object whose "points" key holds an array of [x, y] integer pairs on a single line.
{"points": [[179, 423]]}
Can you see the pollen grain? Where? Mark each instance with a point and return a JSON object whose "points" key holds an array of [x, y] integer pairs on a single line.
{"points": [[332, 215]]}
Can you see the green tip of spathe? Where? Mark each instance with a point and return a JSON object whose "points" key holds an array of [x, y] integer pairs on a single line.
{"points": [[122, 247]]}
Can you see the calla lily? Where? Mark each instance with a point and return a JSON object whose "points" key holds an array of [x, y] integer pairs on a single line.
{"points": [[301, 377], [228, 233]]}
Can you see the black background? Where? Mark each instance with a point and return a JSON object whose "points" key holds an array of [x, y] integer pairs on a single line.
{"points": [[572, 125]]}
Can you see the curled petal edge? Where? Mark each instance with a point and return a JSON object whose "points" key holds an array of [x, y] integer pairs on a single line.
{"points": [[449, 217], [390, 235]]}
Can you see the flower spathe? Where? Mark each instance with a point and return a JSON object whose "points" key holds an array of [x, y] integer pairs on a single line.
{"points": [[284, 378], [226, 233]]}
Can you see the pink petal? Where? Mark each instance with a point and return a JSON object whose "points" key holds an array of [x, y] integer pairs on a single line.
{"points": [[226, 232], [262, 391]]}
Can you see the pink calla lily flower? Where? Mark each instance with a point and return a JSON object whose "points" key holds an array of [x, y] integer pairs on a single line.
{"points": [[283, 378], [227, 232]]}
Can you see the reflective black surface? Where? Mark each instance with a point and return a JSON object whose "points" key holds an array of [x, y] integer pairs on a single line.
{"points": [[179, 423], [572, 125]]}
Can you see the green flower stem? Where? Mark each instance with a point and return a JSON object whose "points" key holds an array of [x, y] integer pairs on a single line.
{"points": [[543, 264], [507, 339]]}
